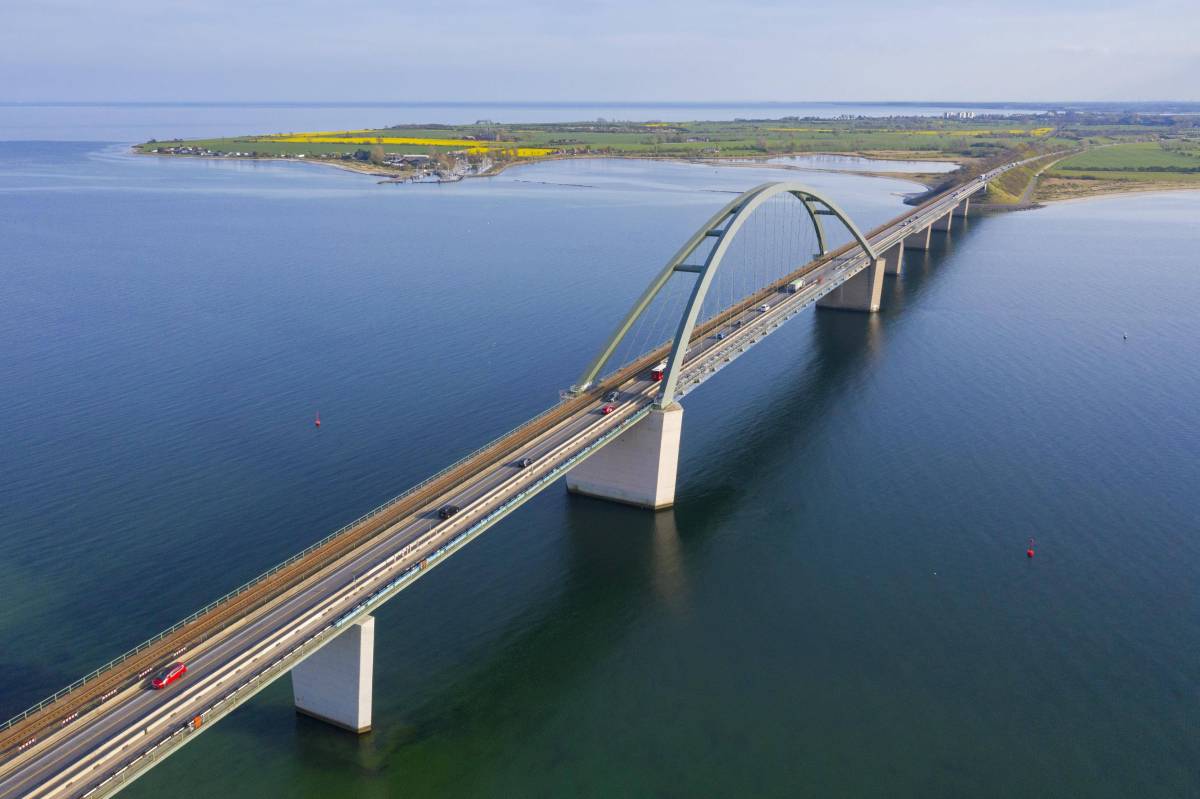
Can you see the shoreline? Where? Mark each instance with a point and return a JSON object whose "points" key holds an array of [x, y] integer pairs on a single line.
{"points": [[739, 162], [1116, 193], [920, 178]]}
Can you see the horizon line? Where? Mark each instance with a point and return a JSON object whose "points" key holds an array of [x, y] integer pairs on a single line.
{"points": [[591, 103]]}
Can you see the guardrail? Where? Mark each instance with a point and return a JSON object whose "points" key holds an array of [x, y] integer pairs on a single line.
{"points": [[50, 700], [265, 575], [166, 744]]}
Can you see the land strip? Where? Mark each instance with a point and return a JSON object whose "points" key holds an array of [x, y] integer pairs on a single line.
{"points": [[434, 152], [1122, 168]]}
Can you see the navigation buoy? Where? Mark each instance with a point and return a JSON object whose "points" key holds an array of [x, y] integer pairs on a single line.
{"points": [[1029, 552], [1125, 336], [317, 422]]}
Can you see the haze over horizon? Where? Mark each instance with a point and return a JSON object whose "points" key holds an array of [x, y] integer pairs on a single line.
{"points": [[611, 51]]}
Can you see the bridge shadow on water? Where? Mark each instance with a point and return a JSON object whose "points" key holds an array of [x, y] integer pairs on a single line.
{"points": [[837, 358], [620, 558]]}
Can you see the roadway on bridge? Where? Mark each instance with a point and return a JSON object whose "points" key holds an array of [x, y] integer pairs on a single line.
{"points": [[129, 731]]}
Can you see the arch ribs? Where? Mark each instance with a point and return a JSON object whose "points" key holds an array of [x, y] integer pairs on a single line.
{"points": [[721, 228]]}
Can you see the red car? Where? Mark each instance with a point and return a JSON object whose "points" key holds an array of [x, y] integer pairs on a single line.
{"points": [[169, 675], [607, 409]]}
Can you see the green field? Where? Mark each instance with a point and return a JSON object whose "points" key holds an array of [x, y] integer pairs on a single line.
{"points": [[1121, 150], [1172, 157], [749, 138], [1172, 163]]}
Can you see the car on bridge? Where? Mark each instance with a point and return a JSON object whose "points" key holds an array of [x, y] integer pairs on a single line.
{"points": [[656, 374], [764, 307], [525, 463], [168, 675], [612, 396], [607, 409], [446, 511]]}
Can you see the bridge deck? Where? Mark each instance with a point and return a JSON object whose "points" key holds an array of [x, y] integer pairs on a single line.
{"points": [[116, 729]]}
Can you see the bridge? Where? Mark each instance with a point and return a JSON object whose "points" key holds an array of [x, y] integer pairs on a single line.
{"points": [[613, 435]]}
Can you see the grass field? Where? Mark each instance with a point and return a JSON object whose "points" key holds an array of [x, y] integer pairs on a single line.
{"points": [[1149, 157], [1135, 166], [743, 138], [1123, 153]]}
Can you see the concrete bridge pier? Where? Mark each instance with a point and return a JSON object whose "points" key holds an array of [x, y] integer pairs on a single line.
{"points": [[942, 224], [963, 208], [919, 240], [639, 467], [893, 259], [334, 684], [862, 292]]}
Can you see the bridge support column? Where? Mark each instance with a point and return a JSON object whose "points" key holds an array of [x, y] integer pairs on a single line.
{"points": [[334, 684], [963, 208], [860, 293], [942, 224], [893, 259], [639, 467], [918, 241]]}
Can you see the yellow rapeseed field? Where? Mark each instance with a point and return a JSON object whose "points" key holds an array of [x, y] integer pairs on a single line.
{"points": [[306, 139], [519, 152], [472, 146]]}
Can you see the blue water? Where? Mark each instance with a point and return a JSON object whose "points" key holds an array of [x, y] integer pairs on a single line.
{"points": [[839, 604]]}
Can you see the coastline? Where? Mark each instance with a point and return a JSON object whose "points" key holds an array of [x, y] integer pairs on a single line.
{"points": [[373, 170], [1117, 192], [924, 179]]}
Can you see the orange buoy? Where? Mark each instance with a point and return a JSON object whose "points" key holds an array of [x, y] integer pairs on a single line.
{"points": [[1029, 552], [318, 421]]}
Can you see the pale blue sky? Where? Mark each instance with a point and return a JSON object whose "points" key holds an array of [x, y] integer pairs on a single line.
{"points": [[633, 50]]}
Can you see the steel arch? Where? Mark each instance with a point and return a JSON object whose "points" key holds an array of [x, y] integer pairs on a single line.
{"points": [[723, 228]]}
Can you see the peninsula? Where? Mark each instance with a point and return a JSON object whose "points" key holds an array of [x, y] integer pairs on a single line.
{"points": [[1097, 152]]}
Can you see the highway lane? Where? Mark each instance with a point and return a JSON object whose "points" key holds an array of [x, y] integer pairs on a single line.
{"points": [[144, 705], [104, 738], [143, 708]]}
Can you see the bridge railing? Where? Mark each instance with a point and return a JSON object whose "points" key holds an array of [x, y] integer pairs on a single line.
{"points": [[384, 507], [267, 574]]}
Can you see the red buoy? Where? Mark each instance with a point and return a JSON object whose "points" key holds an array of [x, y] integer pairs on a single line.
{"points": [[1029, 552], [318, 421]]}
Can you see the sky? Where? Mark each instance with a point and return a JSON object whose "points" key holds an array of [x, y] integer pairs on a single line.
{"points": [[600, 50]]}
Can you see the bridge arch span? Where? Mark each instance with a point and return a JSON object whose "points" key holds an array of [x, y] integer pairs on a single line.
{"points": [[719, 231]]}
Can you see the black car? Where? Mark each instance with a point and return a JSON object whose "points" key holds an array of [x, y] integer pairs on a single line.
{"points": [[446, 511], [612, 396], [525, 463]]}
